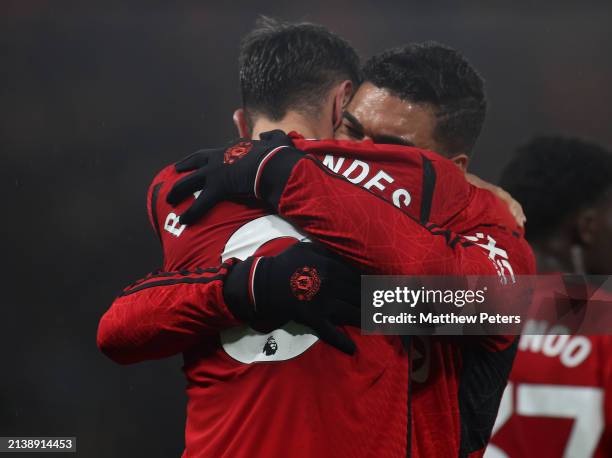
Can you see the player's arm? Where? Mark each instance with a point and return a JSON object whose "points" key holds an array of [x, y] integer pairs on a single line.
{"points": [[168, 312], [164, 314], [362, 226], [379, 236], [353, 221]]}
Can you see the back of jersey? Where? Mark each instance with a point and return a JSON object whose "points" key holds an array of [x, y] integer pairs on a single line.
{"points": [[557, 402], [230, 229]]}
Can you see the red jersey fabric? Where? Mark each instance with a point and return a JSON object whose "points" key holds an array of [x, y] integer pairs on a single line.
{"points": [[558, 400], [286, 393]]}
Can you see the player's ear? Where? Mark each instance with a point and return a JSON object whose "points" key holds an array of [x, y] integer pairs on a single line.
{"points": [[461, 161], [342, 96], [241, 123]]}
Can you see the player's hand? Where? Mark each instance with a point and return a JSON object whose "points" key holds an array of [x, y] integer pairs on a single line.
{"points": [[306, 284], [515, 208], [224, 173]]}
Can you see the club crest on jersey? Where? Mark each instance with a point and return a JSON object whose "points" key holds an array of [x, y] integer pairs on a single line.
{"points": [[236, 152], [305, 283]]}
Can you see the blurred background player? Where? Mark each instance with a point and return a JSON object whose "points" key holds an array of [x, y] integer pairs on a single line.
{"points": [[558, 402]]}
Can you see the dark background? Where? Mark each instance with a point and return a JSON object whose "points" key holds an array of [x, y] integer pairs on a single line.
{"points": [[95, 98]]}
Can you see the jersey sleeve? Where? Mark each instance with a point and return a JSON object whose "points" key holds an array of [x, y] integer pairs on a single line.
{"points": [[164, 314], [365, 228], [168, 311]]}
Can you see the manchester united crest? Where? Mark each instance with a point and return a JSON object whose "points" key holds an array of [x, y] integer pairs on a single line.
{"points": [[305, 283], [236, 152]]}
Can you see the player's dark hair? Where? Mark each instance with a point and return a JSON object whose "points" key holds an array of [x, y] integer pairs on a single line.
{"points": [[442, 77], [553, 177], [292, 66]]}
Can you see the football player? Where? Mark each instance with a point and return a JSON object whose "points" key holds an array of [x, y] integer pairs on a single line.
{"points": [[559, 398]]}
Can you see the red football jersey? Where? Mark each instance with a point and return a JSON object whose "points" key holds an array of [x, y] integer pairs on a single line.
{"points": [[286, 393], [558, 402]]}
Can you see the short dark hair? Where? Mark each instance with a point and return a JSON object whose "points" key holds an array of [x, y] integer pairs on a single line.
{"points": [[442, 77], [291, 66], [554, 176]]}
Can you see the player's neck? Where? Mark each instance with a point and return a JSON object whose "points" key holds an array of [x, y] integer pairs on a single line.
{"points": [[291, 122]]}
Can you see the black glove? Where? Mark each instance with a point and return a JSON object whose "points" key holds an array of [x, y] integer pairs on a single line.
{"points": [[306, 284], [225, 173]]}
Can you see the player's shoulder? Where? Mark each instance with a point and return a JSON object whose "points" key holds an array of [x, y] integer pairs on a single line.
{"points": [[408, 154], [163, 181], [159, 187], [167, 174]]}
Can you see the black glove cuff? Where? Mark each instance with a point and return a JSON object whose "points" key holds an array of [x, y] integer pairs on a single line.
{"points": [[236, 291], [275, 174]]}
